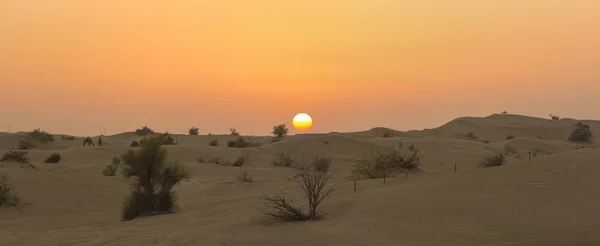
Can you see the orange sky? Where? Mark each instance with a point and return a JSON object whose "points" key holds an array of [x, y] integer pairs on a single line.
{"points": [[78, 66]]}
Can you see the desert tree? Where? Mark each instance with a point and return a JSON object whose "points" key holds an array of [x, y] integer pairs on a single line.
{"points": [[581, 133], [152, 181], [194, 131], [313, 183], [233, 132], [280, 131]]}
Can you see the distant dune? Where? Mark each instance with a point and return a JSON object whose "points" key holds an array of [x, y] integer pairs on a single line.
{"points": [[551, 200]]}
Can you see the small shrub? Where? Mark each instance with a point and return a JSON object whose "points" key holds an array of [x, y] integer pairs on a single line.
{"points": [[216, 160], [116, 160], [41, 136], [400, 145], [66, 137], [486, 141], [283, 160], [234, 132], [134, 144], [554, 117], [581, 133], [471, 135], [110, 170], [276, 139], [245, 178], [321, 164], [493, 161], [213, 143], [313, 184], [18, 156], [241, 143], [164, 139], [411, 147], [388, 134], [26, 144], [194, 131], [200, 159], [509, 137], [240, 161], [152, 181], [280, 131], [53, 158], [504, 113], [376, 165], [8, 193], [144, 131]]}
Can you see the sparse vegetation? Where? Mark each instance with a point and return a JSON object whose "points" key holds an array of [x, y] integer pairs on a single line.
{"points": [[388, 134], [376, 165], [581, 133], [53, 158], [240, 161], [245, 178], [18, 156], [152, 181], [216, 160], [164, 139], [280, 131], [283, 160], [233, 131], [213, 143], [313, 184], [554, 117], [241, 143], [509, 137], [26, 144], [41, 136], [321, 164], [8, 193], [194, 131], [144, 131], [493, 161]]}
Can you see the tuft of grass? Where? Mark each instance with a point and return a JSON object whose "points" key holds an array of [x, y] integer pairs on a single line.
{"points": [[8, 193], [18, 156], [245, 178], [152, 180], [213, 143], [53, 158], [283, 160], [493, 161]]}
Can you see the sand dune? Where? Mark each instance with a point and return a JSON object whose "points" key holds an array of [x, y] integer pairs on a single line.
{"points": [[551, 200]]}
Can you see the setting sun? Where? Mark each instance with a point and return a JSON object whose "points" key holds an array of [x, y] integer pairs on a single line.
{"points": [[302, 122]]}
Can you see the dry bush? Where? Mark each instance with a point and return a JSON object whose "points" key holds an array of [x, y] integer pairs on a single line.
{"points": [[313, 184], [144, 131], [283, 160], [280, 131], [581, 133], [14, 155], [41, 136], [8, 193], [242, 143], [508, 150], [53, 158], [233, 131], [376, 165], [536, 152], [26, 144], [321, 164], [493, 161], [245, 178], [200, 159], [213, 143], [152, 181], [240, 161], [216, 160], [194, 131]]}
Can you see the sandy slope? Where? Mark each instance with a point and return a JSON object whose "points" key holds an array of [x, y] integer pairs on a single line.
{"points": [[552, 200]]}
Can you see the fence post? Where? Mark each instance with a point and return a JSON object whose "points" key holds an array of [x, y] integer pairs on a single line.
{"points": [[354, 184], [529, 155], [454, 166]]}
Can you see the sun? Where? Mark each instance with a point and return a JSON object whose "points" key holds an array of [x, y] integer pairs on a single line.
{"points": [[302, 122]]}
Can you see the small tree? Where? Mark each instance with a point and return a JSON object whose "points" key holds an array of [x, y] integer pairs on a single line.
{"points": [[233, 131], [153, 181], [194, 131], [313, 184], [280, 131], [581, 133]]}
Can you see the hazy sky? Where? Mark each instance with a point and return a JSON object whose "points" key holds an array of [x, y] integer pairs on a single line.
{"points": [[78, 66]]}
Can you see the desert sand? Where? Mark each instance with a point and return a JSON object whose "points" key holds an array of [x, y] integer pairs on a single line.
{"points": [[552, 200]]}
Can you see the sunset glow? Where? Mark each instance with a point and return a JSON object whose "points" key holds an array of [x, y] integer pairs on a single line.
{"points": [[302, 122]]}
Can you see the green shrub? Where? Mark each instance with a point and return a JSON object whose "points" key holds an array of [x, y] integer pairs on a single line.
{"points": [[213, 143], [18, 156], [581, 133], [26, 144], [283, 160], [8, 193], [41, 136], [194, 131], [144, 131], [493, 161], [53, 158], [153, 181]]}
